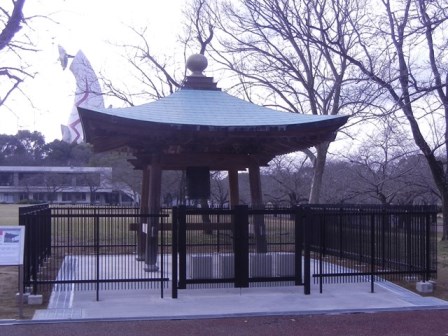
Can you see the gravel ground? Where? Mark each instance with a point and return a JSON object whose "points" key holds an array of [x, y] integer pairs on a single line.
{"points": [[409, 323]]}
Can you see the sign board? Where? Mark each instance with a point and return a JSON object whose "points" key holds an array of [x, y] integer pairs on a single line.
{"points": [[12, 240]]}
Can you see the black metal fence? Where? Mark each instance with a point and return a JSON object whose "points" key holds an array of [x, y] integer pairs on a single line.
{"points": [[246, 247], [90, 247], [96, 248], [372, 243], [37, 222], [238, 248]]}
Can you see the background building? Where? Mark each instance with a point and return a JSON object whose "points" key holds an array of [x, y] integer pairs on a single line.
{"points": [[90, 185]]}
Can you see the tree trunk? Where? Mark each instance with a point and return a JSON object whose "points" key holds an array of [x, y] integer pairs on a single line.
{"points": [[206, 216], [12, 25], [318, 172], [257, 203]]}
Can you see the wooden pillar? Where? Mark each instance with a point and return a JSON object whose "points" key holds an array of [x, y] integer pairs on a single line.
{"points": [[234, 188], [257, 203], [255, 187], [155, 186], [144, 203]]}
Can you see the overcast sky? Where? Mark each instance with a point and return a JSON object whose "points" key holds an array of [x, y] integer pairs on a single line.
{"points": [[91, 26]]}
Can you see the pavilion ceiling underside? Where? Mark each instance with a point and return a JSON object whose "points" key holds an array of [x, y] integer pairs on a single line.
{"points": [[170, 142], [214, 161], [252, 145], [257, 145], [180, 146]]}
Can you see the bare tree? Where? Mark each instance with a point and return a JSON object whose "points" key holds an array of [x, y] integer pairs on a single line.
{"points": [[219, 189], [157, 75], [418, 186], [199, 25], [287, 180], [378, 164], [173, 187], [407, 180], [264, 43], [12, 72], [340, 184], [402, 49], [124, 177], [154, 74], [53, 184]]}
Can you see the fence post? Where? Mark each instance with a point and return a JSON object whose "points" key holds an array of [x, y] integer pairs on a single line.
{"points": [[33, 221], [322, 245], [28, 262], [384, 219], [409, 247], [298, 221], [182, 245], [46, 231], [162, 253], [372, 253], [97, 252], [307, 253], [174, 252], [241, 245], [341, 232], [428, 245]]}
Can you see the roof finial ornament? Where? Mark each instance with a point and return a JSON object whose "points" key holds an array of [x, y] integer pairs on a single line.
{"points": [[197, 63]]}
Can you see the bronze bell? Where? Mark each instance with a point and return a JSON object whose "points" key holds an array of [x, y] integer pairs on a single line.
{"points": [[198, 182]]}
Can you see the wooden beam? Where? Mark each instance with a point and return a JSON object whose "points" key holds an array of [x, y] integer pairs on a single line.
{"points": [[215, 161]]}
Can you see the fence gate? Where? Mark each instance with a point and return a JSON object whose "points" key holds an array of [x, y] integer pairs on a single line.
{"points": [[236, 248]]}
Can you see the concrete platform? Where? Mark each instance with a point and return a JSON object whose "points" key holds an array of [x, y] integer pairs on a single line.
{"points": [[224, 302], [79, 302]]}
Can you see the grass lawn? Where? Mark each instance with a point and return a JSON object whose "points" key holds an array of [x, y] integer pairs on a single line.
{"points": [[441, 290], [9, 214], [442, 270]]}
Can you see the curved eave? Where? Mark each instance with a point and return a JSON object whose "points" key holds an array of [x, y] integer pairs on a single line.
{"points": [[106, 132], [89, 116]]}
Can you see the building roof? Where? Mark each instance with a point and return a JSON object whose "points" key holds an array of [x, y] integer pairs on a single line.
{"points": [[53, 169], [215, 109], [199, 125]]}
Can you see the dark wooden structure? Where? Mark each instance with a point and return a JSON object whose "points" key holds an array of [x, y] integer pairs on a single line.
{"points": [[202, 126]]}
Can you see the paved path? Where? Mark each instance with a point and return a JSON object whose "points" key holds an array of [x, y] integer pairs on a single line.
{"points": [[407, 323], [342, 309], [230, 302]]}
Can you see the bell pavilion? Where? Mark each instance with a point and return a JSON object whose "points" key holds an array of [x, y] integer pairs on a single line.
{"points": [[201, 128]]}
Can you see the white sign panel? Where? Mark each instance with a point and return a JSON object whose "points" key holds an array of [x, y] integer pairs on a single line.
{"points": [[12, 240]]}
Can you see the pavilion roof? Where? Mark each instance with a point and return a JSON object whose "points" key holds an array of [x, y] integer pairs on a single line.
{"points": [[200, 125], [213, 109]]}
